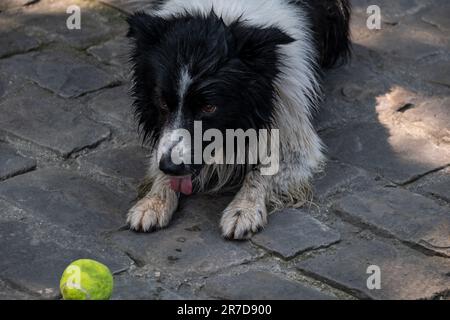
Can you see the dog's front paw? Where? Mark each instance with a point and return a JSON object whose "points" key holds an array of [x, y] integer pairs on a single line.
{"points": [[241, 219], [149, 214]]}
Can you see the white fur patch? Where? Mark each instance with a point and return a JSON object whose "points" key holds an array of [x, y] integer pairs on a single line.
{"points": [[183, 85], [174, 134]]}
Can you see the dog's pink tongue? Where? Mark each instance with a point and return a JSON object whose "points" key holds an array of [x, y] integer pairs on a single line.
{"points": [[183, 185]]}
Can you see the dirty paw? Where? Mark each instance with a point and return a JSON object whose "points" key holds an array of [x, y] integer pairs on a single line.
{"points": [[149, 214], [242, 219]]}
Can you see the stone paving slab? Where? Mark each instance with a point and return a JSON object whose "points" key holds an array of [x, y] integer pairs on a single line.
{"points": [[192, 244], [392, 11], [416, 113], [435, 186], [391, 153], [114, 106], [291, 232], [38, 252], [438, 16], [63, 71], [440, 189], [259, 285], [47, 21], [114, 51], [405, 273], [401, 43], [130, 6], [115, 54], [36, 116], [127, 163], [144, 288], [68, 200], [3, 86], [12, 164], [401, 214], [437, 73], [10, 83], [9, 293], [410, 46], [14, 42], [337, 177], [350, 91], [45, 262], [10, 4]]}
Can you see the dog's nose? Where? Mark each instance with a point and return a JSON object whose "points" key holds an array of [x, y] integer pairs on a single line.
{"points": [[167, 166]]}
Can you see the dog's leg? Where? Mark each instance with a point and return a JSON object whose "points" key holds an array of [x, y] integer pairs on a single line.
{"points": [[156, 208], [247, 213]]}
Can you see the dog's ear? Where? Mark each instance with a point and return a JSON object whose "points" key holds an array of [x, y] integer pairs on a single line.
{"points": [[145, 27], [258, 46]]}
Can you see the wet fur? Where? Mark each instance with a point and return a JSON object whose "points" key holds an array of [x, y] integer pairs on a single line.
{"points": [[276, 50]]}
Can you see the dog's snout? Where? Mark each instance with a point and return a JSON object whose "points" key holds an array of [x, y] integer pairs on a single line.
{"points": [[167, 166]]}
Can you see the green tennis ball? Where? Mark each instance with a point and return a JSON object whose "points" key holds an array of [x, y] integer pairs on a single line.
{"points": [[86, 280]]}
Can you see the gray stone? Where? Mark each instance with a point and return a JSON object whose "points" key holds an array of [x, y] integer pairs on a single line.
{"points": [[291, 232], [419, 114], [438, 16], [399, 213], [114, 106], [404, 43], [399, 45], [10, 83], [132, 288], [433, 117], [115, 51], [350, 92], [440, 189], [9, 293], [45, 261], [116, 54], [47, 20], [128, 163], [405, 273], [15, 41], [358, 27], [192, 244], [130, 6], [392, 11], [394, 154], [12, 164], [35, 252], [437, 73], [62, 71], [259, 285], [68, 200], [10, 4], [36, 116], [335, 178], [3, 86]]}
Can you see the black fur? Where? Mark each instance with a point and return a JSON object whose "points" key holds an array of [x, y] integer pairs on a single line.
{"points": [[233, 67], [330, 21]]}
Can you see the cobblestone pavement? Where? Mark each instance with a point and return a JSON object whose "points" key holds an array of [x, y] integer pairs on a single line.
{"points": [[70, 161]]}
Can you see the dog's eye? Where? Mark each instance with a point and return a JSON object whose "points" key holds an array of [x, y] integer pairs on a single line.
{"points": [[164, 105], [209, 108]]}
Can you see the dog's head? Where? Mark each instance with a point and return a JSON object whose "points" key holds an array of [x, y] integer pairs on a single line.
{"points": [[190, 68]]}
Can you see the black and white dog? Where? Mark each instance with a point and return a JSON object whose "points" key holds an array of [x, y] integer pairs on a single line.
{"points": [[232, 64]]}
